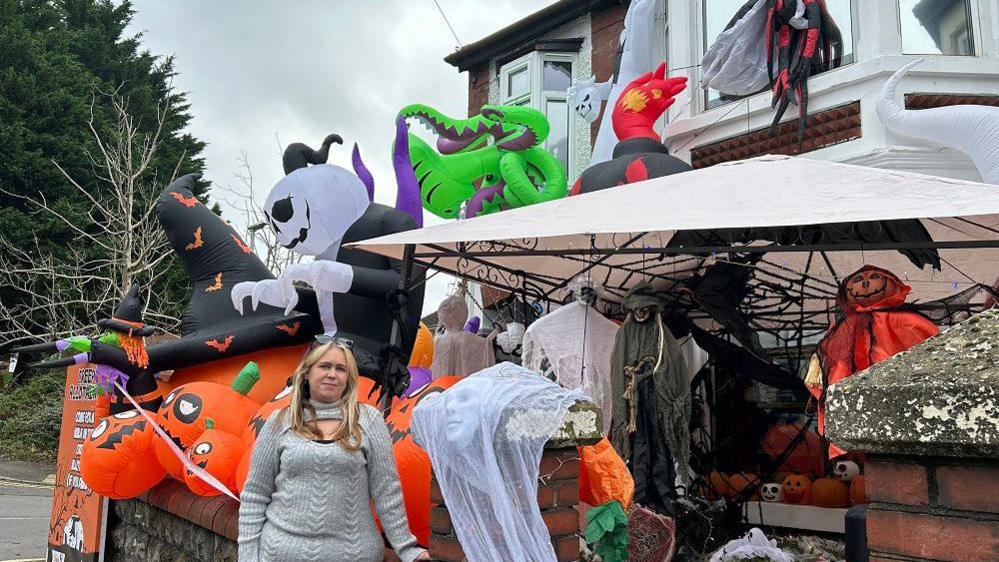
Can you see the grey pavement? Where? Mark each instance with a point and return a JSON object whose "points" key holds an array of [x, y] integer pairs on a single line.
{"points": [[27, 471], [24, 520]]}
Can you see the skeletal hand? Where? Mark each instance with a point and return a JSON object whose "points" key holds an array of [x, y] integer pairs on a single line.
{"points": [[269, 291]]}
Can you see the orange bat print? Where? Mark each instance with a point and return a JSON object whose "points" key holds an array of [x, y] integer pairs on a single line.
{"points": [[215, 286], [186, 201], [198, 242], [220, 346], [242, 246], [290, 329]]}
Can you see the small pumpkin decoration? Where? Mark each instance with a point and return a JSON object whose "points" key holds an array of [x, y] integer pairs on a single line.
{"points": [[771, 492], [117, 459], [219, 453], [718, 485], [739, 482], [830, 492], [187, 407], [806, 457], [870, 286], [858, 490], [797, 489]]}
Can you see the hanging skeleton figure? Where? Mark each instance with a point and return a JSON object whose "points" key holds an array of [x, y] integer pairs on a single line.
{"points": [[801, 37], [650, 424]]}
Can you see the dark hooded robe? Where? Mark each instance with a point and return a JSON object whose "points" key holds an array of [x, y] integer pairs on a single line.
{"points": [[651, 401]]}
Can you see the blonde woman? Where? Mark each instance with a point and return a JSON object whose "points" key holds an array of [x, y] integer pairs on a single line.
{"points": [[315, 470]]}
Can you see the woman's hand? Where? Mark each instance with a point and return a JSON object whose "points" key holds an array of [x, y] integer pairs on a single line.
{"points": [[424, 556]]}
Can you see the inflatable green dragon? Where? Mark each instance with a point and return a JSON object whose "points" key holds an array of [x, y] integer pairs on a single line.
{"points": [[466, 168]]}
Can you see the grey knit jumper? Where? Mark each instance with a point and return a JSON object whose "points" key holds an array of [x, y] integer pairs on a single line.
{"points": [[307, 501]]}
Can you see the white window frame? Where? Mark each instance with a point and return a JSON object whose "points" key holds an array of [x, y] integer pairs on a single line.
{"points": [[538, 98]]}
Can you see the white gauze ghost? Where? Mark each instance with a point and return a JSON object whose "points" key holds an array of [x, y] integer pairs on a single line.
{"points": [[310, 210]]}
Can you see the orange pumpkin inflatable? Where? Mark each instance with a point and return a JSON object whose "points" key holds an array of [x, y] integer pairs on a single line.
{"points": [[411, 460], [117, 460], [797, 489], [830, 492], [218, 452], [805, 458], [858, 490], [187, 407]]}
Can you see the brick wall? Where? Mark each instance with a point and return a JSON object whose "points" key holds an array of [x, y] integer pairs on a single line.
{"points": [[606, 26], [932, 510], [478, 88]]}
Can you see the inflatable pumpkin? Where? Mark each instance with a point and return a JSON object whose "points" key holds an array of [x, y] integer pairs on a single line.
{"points": [[411, 460], [219, 453], [797, 489], [187, 407], [117, 459], [858, 490], [830, 492], [252, 431], [718, 483], [805, 458]]}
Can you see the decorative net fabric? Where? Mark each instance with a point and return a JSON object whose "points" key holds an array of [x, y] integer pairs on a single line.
{"points": [[457, 352], [653, 536], [485, 436], [573, 346]]}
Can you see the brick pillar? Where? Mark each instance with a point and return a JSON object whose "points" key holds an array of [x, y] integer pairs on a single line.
{"points": [[928, 420], [558, 490]]}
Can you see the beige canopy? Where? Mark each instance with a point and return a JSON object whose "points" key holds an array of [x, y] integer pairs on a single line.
{"points": [[622, 235]]}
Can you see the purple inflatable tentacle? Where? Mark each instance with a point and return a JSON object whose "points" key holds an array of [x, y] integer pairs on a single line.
{"points": [[362, 172], [408, 195], [473, 325], [476, 202]]}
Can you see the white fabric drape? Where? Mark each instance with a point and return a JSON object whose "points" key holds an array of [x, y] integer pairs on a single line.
{"points": [[573, 346], [485, 436]]}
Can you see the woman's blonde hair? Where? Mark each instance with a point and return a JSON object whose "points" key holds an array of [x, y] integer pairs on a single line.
{"points": [[348, 435]]}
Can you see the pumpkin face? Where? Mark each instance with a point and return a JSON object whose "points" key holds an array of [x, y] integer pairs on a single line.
{"points": [[117, 459], [846, 470], [771, 492], [187, 407], [830, 492], [797, 489], [218, 452], [858, 490], [870, 286]]}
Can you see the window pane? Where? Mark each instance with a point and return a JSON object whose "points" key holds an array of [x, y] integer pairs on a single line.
{"points": [[558, 75], [518, 82], [936, 27], [718, 13], [557, 143]]}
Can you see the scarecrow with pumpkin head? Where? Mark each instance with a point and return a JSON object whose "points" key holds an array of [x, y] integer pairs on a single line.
{"points": [[876, 324]]}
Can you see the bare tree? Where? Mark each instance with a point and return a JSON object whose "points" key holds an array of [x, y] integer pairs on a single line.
{"points": [[119, 243], [262, 239]]}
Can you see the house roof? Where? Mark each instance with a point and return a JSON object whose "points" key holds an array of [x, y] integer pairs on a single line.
{"points": [[516, 35]]}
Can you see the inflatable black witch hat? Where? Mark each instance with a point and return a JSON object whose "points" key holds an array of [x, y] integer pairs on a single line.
{"points": [[127, 317], [216, 259]]}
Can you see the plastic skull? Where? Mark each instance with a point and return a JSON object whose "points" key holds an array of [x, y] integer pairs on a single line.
{"points": [[311, 208], [846, 470], [771, 492]]}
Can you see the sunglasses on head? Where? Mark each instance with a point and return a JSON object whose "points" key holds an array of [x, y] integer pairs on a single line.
{"points": [[323, 339]]}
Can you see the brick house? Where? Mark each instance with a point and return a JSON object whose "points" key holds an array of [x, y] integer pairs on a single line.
{"points": [[532, 60]]}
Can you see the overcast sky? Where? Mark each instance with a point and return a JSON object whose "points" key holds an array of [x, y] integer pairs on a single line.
{"points": [[261, 74]]}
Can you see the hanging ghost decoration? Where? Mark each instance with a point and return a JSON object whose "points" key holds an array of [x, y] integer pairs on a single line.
{"points": [[316, 209]]}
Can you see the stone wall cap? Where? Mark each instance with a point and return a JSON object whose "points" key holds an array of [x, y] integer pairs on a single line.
{"points": [[940, 398], [582, 425]]}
